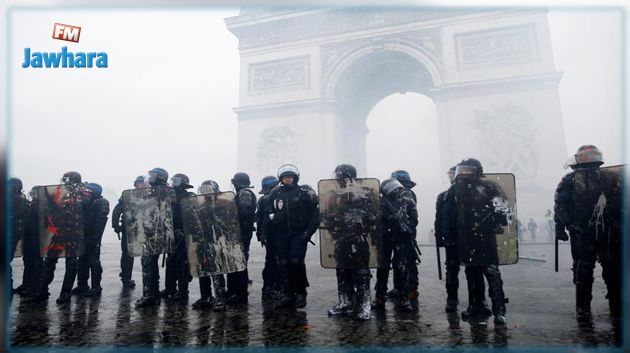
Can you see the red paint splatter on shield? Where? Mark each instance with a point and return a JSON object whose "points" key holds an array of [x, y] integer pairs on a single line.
{"points": [[58, 194]]}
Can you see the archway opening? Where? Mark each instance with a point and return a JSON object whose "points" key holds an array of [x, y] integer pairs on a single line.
{"points": [[390, 123], [403, 134]]}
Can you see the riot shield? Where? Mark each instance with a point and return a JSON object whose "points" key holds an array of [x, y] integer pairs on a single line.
{"points": [[606, 216], [61, 221], [213, 235], [349, 220], [487, 231], [148, 215]]}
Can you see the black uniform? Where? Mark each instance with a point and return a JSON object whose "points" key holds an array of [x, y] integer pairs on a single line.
{"points": [[126, 261], [408, 194], [177, 273], [90, 262], [449, 242], [18, 218], [271, 283], [476, 231], [30, 246], [237, 282], [399, 219], [293, 218], [595, 233]]}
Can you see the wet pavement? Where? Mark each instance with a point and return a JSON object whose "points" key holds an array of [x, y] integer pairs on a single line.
{"points": [[540, 313]]}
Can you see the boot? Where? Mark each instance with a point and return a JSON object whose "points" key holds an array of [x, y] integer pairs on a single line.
{"points": [[94, 292], [167, 293], [147, 301], [583, 297], [203, 303], [379, 302], [405, 306], [341, 307], [64, 297], [362, 297], [178, 296], [476, 311], [81, 289], [219, 305], [499, 315], [129, 284], [287, 301], [451, 306], [218, 283]]}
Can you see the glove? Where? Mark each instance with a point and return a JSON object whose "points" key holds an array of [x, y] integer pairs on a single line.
{"points": [[263, 240], [562, 235], [306, 237]]}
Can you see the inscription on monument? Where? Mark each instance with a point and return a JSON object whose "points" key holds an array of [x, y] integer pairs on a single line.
{"points": [[496, 47], [279, 75]]}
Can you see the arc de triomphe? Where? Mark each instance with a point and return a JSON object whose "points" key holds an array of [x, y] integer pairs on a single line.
{"points": [[309, 77]]}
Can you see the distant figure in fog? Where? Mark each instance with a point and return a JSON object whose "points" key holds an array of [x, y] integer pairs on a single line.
{"points": [[532, 226], [550, 225]]}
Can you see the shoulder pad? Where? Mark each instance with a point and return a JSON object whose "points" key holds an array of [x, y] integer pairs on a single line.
{"points": [[246, 195], [310, 192]]}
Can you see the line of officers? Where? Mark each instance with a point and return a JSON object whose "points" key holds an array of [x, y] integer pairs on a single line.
{"points": [[287, 216]]}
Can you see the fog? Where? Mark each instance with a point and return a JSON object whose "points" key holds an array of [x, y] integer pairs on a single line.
{"points": [[168, 95]]}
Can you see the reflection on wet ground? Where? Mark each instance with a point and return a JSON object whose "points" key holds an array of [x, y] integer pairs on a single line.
{"points": [[540, 313]]}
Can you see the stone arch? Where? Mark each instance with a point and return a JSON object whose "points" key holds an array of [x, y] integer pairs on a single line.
{"points": [[429, 61]]}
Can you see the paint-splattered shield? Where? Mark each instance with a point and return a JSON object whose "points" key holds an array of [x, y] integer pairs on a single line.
{"points": [[349, 217], [61, 221], [487, 231], [213, 235], [148, 215], [604, 215]]}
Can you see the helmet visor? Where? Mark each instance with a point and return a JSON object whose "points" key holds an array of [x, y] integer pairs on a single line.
{"points": [[465, 170], [177, 181]]}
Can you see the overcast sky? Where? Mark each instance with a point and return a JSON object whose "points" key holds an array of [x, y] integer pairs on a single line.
{"points": [[167, 97]]}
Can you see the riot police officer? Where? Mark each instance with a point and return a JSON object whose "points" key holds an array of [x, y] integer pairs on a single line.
{"points": [[177, 273], [352, 283], [588, 205], [73, 182], [293, 218], [399, 218], [30, 246], [470, 212], [90, 262], [18, 221], [405, 179], [158, 179], [271, 288], [450, 246], [237, 282], [118, 223], [206, 283]]}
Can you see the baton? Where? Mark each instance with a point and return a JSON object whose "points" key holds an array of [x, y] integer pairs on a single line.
{"points": [[310, 241], [118, 234], [556, 253], [532, 258], [439, 262]]}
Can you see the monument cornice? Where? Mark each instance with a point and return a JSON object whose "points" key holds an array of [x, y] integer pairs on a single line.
{"points": [[500, 85], [287, 108], [261, 29]]}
